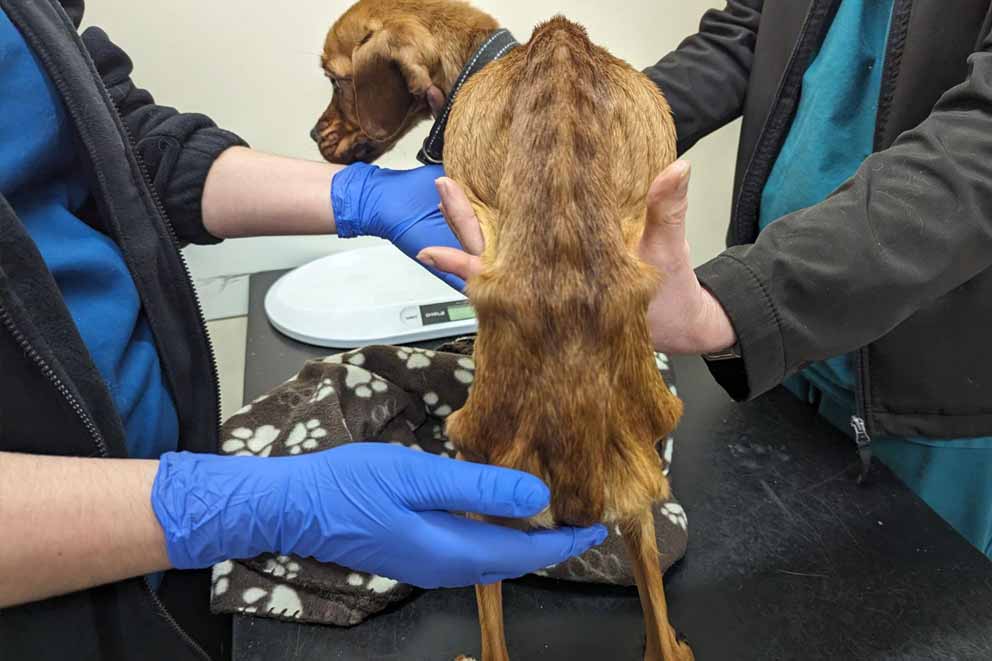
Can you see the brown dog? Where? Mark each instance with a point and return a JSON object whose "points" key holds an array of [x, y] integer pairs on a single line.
{"points": [[382, 57], [556, 146]]}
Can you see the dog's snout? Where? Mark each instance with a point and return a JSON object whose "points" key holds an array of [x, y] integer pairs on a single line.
{"points": [[315, 134]]}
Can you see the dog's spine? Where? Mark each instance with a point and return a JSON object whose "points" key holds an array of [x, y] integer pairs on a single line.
{"points": [[556, 178]]}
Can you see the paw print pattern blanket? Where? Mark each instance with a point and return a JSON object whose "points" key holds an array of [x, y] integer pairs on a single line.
{"points": [[392, 395]]}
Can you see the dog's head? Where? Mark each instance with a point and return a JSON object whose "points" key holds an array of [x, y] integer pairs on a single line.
{"points": [[382, 57]]}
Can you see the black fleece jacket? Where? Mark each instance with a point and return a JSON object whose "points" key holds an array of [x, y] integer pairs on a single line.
{"points": [[896, 263]]}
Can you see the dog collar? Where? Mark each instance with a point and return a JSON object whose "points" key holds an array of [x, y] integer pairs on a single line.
{"points": [[496, 46]]}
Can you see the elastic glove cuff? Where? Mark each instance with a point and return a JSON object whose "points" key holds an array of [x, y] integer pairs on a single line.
{"points": [[348, 193], [211, 508], [170, 494]]}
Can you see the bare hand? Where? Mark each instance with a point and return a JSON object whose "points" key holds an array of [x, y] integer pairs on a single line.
{"points": [[684, 318]]}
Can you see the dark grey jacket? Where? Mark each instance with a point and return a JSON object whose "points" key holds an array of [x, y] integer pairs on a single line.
{"points": [[896, 263], [147, 166]]}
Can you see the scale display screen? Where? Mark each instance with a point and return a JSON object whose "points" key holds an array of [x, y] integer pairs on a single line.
{"points": [[442, 313]]}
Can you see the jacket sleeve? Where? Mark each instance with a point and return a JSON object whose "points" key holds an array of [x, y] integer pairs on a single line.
{"points": [[913, 224], [177, 149], [706, 77]]}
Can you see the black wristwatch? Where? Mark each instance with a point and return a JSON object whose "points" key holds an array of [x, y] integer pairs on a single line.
{"points": [[732, 353]]}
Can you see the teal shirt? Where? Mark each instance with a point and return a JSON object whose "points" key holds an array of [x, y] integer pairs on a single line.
{"points": [[831, 136]]}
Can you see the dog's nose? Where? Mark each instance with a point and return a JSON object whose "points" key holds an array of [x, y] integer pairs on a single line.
{"points": [[315, 135]]}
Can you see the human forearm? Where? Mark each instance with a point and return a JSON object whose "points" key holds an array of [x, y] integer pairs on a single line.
{"points": [[69, 524], [912, 225], [176, 149], [249, 193]]}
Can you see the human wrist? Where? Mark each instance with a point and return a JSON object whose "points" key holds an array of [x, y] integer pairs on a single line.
{"points": [[717, 334], [349, 193]]}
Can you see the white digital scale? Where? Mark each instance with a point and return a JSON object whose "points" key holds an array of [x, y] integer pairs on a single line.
{"points": [[366, 296]]}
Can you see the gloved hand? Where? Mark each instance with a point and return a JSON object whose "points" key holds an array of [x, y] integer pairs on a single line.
{"points": [[398, 205], [370, 507]]}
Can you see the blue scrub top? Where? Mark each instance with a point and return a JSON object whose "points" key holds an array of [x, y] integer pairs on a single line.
{"points": [[831, 136]]}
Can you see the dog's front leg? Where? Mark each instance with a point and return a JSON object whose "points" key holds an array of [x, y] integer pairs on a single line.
{"points": [[642, 548]]}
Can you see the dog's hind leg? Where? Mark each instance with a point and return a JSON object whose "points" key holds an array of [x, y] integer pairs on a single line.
{"points": [[642, 547]]}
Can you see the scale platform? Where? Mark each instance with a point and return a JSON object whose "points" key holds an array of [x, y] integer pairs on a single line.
{"points": [[366, 296]]}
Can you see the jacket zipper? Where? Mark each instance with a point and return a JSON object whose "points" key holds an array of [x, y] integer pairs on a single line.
{"points": [[56, 380], [861, 421], [211, 352], [736, 220], [206, 333], [863, 441]]}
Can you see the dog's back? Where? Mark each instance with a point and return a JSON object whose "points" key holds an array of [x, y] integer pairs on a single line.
{"points": [[556, 146]]}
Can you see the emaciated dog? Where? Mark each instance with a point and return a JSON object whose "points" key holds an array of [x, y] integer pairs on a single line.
{"points": [[556, 145]]}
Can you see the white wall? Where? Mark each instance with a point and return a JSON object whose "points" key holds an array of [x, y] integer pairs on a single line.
{"points": [[252, 65]]}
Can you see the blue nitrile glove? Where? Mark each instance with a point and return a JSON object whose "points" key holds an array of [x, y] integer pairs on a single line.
{"points": [[371, 507], [400, 206]]}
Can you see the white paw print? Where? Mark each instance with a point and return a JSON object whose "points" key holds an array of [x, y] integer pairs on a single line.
{"points": [[674, 513], [282, 566], [245, 442], [323, 391], [415, 358], [220, 581], [282, 601], [466, 372], [363, 383], [248, 407], [357, 359], [661, 360], [432, 401], [334, 360], [376, 584], [305, 436]]}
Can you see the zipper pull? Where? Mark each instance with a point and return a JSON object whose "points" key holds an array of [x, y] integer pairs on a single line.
{"points": [[863, 440]]}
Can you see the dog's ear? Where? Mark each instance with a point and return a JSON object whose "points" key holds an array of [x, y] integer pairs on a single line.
{"points": [[383, 95]]}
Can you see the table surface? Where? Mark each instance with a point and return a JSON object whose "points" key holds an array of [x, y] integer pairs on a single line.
{"points": [[787, 559]]}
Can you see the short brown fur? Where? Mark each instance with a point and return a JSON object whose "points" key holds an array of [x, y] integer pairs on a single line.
{"points": [[556, 146]]}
